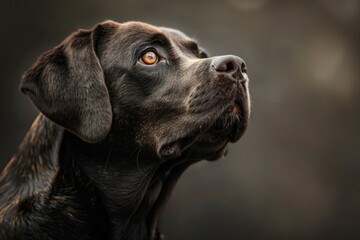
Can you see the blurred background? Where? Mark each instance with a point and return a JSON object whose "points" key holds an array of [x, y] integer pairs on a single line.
{"points": [[296, 172]]}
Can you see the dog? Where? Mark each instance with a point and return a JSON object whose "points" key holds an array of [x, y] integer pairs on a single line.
{"points": [[125, 109]]}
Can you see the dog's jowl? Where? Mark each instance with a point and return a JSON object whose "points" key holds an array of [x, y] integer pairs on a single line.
{"points": [[125, 108]]}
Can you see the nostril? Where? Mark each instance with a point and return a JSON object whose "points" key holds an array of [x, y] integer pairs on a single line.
{"points": [[220, 67], [243, 68], [225, 66], [230, 66]]}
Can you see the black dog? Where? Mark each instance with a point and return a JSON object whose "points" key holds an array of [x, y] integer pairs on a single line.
{"points": [[125, 109]]}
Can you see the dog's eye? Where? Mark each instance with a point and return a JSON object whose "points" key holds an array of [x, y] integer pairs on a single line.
{"points": [[149, 58], [203, 54]]}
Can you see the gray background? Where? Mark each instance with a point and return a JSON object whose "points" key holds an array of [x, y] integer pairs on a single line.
{"points": [[295, 173]]}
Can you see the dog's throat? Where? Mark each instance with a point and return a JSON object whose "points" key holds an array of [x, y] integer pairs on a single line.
{"points": [[133, 189], [157, 193], [168, 184]]}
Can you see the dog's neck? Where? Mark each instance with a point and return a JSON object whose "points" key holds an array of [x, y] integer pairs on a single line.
{"points": [[130, 184], [121, 191], [114, 186]]}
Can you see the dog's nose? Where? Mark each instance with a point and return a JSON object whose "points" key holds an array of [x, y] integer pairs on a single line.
{"points": [[230, 65]]}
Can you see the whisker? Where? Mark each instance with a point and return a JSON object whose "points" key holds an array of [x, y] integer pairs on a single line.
{"points": [[108, 157], [137, 161]]}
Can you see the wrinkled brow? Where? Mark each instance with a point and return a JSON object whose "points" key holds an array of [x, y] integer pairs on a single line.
{"points": [[158, 39], [194, 48], [191, 45]]}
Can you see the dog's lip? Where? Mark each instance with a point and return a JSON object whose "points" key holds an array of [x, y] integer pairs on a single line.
{"points": [[234, 109], [241, 122], [175, 147], [237, 109], [234, 115]]}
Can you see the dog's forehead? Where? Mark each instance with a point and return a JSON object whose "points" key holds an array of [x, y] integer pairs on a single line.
{"points": [[175, 34], [126, 40], [144, 29], [139, 27]]}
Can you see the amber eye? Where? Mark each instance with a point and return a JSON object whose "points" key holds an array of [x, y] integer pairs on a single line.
{"points": [[149, 58]]}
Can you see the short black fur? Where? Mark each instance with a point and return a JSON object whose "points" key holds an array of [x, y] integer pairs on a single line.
{"points": [[114, 135]]}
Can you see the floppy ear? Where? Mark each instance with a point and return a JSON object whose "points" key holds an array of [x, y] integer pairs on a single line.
{"points": [[67, 85]]}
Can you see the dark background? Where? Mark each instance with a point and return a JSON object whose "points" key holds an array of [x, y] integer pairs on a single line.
{"points": [[295, 173]]}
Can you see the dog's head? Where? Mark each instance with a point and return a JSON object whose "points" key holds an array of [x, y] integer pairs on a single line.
{"points": [[153, 85]]}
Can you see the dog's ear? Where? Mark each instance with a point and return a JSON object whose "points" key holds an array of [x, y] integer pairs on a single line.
{"points": [[67, 85]]}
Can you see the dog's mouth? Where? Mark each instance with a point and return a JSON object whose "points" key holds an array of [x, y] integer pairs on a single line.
{"points": [[231, 122], [212, 135]]}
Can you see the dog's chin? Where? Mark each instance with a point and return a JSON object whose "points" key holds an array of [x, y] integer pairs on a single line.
{"points": [[229, 127], [208, 140]]}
